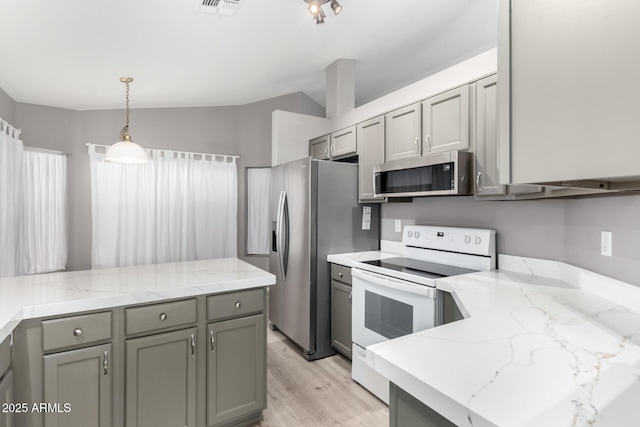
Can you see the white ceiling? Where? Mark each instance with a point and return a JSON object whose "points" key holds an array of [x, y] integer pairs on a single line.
{"points": [[71, 53]]}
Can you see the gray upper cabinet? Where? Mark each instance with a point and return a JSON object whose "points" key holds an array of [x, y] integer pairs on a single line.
{"points": [[82, 379], [568, 90], [319, 148], [161, 380], [236, 369], [403, 133], [486, 150], [6, 397], [445, 125], [344, 143], [370, 153]]}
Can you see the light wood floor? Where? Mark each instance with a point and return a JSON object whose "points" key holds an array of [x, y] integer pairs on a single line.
{"points": [[319, 393]]}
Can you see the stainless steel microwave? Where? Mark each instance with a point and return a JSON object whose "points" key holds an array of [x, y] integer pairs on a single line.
{"points": [[442, 174]]}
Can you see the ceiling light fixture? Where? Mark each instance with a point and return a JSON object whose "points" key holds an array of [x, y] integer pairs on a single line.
{"points": [[126, 151], [315, 9]]}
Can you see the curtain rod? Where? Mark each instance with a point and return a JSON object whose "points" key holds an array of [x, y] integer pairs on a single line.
{"points": [[44, 150], [179, 152]]}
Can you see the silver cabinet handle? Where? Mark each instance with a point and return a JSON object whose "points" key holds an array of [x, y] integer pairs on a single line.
{"points": [[427, 143], [416, 146], [163, 316], [238, 304], [77, 332], [105, 364], [193, 344], [212, 338], [326, 152], [333, 149], [350, 295], [478, 182]]}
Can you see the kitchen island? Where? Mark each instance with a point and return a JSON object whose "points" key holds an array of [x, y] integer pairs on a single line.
{"points": [[165, 344], [542, 344]]}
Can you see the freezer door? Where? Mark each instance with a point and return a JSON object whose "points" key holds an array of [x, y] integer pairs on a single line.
{"points": [[276, 292], [297, 295]]}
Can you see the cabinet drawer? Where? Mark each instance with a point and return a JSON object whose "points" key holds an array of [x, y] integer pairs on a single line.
{"points": [[76, 330], [5, 355], [160, 316], [235, 304], [341, 273]]}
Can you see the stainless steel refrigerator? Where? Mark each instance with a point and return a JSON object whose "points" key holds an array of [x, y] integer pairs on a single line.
{"points": [[314, 212]]}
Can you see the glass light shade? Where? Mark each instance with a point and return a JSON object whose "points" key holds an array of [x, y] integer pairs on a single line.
{"points": [[126, 152]]}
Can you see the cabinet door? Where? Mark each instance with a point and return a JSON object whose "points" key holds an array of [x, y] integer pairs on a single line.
{"points": [[161, 380], [446, 121], [343, 143], [486, 150], [403, 133], [319, 148], [6, 397], [370, 137], [341, 317], [236, 368], [82, 379]]}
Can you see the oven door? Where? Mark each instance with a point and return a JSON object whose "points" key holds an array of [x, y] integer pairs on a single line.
{"points": [[385, 307]]}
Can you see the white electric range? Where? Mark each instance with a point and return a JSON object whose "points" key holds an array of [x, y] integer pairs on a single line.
{"points": [[397, 296]]}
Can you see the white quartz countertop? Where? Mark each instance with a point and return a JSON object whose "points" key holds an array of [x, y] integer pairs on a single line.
{"points": [[349, 259], [544, 344], [26, 297]]}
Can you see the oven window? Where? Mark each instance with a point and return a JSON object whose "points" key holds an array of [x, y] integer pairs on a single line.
{"points": [[386, 316]]}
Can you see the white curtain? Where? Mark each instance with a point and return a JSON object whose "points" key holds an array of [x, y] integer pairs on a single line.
{"points": [[178, 207], [11, 150], [258, 228], [44, 236]]}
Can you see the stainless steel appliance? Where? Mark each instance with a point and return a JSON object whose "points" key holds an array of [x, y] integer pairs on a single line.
{"points": [[442, 174], [314, 212], [397, 296]]}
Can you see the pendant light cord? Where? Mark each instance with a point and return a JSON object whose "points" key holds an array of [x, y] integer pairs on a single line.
{"points": [[124, 133]]}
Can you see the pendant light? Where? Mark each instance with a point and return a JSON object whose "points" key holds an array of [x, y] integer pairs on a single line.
{"points": [[126, 151]]}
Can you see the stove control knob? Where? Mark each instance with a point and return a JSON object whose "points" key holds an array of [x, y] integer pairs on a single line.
{"points": [[477, 240], [467, 239], [410, 234], [417, 234]]}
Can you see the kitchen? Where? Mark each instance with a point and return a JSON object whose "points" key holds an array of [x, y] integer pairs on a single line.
{"points": [[567, 230]]}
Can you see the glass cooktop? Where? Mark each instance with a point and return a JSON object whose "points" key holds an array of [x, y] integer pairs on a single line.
{"points": [[421, 268]]}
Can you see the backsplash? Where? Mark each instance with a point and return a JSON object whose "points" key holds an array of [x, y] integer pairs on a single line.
{"points": [[564, 230]]}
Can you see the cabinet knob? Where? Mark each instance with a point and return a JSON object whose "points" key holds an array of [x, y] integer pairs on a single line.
{"points": [[340, 275], [238, 304], [77, 332], [163, 316]]}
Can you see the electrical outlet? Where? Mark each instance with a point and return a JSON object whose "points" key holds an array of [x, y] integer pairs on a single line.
{"points": [[398, 226], [606, 243]]}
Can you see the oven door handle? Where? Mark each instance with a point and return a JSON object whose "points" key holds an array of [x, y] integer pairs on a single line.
{"points": [[392, 283]]}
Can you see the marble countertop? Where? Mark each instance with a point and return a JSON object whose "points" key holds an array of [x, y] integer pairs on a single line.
{"points": [[544, 344], [34, 296], [349, 259]]}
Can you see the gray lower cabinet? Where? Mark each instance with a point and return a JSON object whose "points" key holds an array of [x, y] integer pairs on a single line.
{"points": [[407, 411], [370, 136], [161, 380], [236, 369], [78, 384], [6, 398], [341, 309]]}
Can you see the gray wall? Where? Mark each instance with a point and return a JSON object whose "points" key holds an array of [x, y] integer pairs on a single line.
{"points": [[236, 130], [566, 230], [7, 108]]}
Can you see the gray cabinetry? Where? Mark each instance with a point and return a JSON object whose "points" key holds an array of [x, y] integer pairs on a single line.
{"points": [[341, 309], [568, 90], [6, 397], [445, 125], [343, 143], [82, 379], [370, 136], [403, 133], [161, 380], [319, 148], [236, 369], [486, 150], [407, 411]]}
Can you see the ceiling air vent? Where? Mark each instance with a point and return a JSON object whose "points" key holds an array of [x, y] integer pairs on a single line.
{"points": [[220, 7]]}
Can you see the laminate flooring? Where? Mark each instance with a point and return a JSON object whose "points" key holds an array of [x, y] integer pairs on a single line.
{"points": [[315, 394]]}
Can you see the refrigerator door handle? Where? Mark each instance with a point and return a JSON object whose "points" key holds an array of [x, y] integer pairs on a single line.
{"points": [[285, 234], [279, 225]]}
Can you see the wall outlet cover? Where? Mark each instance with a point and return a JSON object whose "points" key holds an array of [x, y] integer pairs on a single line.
{"points": [[398, 226], [606, 243]]}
